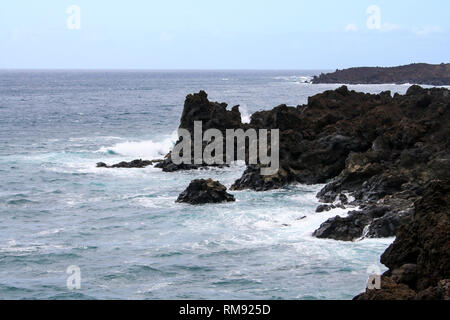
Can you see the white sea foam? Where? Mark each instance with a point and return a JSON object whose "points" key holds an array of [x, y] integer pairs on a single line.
{"points": [[245, 115], [313, 221], [146, 149], [306, 79], [154, 287], [13, 246], [50, 231], [89, 139], [159, 202], [295, 79]]}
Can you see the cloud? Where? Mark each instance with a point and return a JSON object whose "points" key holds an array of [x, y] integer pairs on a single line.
{"points": [[427, 30], [351, 27]]}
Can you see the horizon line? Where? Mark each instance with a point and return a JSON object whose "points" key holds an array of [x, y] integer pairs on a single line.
{"points": [[211, 69], [150, 69]]}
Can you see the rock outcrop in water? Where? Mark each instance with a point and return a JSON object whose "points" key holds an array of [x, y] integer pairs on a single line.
{"points": [[419, 258], [202, 191], [371, 222], [214, 115], [138, 163], [419, 73]]}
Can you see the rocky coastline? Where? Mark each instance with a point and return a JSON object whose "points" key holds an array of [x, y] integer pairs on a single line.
{"points": [[387, 156], [378, 150], [419, 258], [418, 73]]}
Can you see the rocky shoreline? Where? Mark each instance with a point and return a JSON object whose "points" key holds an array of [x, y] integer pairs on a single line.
{"points": [[419, 258], [384, 155], [418, 73], [379, 150]]}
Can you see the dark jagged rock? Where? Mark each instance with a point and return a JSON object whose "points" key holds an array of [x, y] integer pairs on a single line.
{"points": [[102, 165], [325, 207], [311, 151], [168, 166], [425, 241], [390, 290], [406, 274], [252, 179], [419, 73], [347, 229], [372, 222], [213, 115], [365, 134], [382, 150], [439, 292], [138, 163], [205, 191], [419, 258]]}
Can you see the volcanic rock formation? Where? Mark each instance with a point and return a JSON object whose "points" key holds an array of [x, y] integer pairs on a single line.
{"points": [[419, 258], [205, 191]]}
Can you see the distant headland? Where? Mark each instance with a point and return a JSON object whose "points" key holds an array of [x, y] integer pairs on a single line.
{"points": [[416, 73]]}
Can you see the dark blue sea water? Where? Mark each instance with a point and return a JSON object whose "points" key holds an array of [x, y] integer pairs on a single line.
{"points": [[121, 227]]}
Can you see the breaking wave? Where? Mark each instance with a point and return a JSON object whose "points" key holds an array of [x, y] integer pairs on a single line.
{"points": [[147, 149]]}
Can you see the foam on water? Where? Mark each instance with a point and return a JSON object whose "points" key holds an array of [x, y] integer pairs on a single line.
{"points": [[245, 115], [295, 79], [147, 149]]}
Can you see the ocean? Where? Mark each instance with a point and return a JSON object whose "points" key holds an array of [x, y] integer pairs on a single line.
{"points": [[122, 227]]}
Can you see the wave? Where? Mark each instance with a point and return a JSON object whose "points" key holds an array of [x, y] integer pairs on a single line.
{"points": [[147, 149], [245, 115], [295, 79], [18, 202], [13, 247]]}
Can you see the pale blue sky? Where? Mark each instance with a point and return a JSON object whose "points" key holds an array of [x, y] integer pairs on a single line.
{"points": [[209, 34]]}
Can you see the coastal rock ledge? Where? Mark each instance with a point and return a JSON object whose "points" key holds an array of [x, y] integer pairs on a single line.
{"points": [[419, 258], [202, 191]]}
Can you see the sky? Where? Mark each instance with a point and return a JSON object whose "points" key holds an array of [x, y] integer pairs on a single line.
{"points": [[211, 34]]}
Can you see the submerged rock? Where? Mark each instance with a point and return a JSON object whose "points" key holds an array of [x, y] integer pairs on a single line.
{"points": [[202, 191]]}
